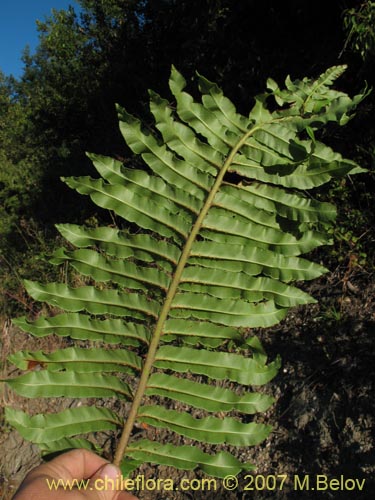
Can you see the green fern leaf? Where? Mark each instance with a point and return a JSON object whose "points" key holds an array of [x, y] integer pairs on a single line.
{"points": [[220, 219], [56, 426]]}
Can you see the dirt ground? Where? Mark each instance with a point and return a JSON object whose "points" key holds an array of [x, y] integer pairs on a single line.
{"points": [[323, 418]]}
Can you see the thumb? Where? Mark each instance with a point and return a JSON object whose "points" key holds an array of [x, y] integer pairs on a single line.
{"points": [[107, 484]]}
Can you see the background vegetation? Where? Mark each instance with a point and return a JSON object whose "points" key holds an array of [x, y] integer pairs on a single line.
{"points": [[63, 104]]}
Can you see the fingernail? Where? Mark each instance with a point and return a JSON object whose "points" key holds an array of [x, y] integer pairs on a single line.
{"points": [[110, 471]]}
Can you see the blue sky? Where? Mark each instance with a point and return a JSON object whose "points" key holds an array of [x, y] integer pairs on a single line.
{"points": [[18, 28]]}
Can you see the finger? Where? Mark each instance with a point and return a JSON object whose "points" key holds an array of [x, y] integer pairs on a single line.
{"points": [[108, 484], [75, 464]]}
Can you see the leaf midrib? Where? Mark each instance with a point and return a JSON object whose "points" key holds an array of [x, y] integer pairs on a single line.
{"points": [[123, 442], [167, 418]]}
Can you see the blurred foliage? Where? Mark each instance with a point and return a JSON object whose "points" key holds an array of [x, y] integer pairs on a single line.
{"points": [[359, 24], [113, 51], [353, 234]]}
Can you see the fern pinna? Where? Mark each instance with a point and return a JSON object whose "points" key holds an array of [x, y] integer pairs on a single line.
{"points": [[209, 256]]}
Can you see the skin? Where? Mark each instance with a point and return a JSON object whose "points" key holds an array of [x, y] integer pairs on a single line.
{"points": [[75, 464]]}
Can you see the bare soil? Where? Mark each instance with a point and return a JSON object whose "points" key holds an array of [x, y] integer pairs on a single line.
{"points": [[323, 418]]}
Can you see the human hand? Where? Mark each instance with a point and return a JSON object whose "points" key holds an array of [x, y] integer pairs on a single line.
{"points": [[73, 469]]}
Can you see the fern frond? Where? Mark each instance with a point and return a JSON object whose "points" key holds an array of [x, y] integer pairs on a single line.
{"points": [[211, 258]]}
